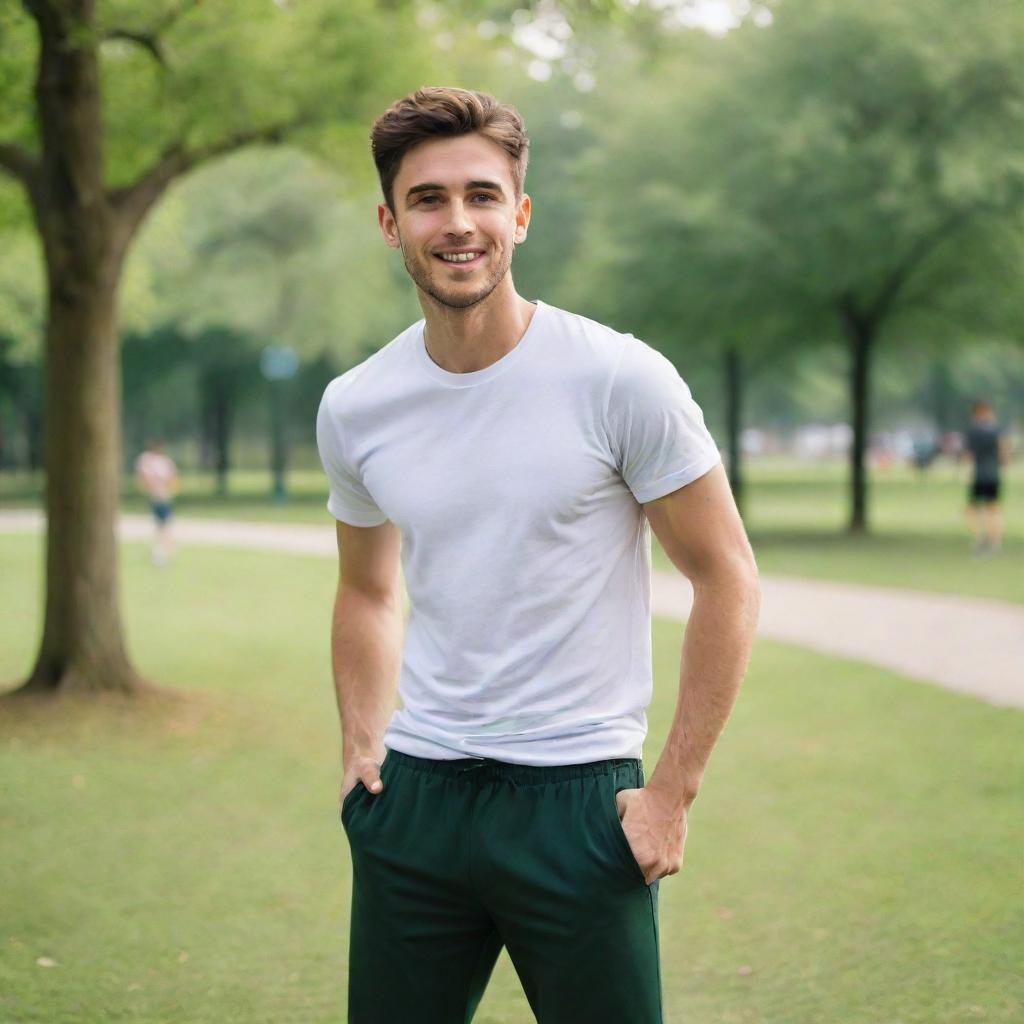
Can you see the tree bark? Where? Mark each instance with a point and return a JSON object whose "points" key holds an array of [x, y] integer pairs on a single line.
{"points": [[734, 417], [82, 646], [860, 333]]}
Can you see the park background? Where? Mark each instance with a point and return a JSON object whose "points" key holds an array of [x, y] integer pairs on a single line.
{"points": [[814, 208]]}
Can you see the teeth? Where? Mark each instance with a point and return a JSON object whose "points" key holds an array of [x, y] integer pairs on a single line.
{"points": [[458, 257]]}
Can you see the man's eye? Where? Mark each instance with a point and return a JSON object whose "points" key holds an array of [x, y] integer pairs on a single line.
{"points": [[485, 196], [427, 199]]}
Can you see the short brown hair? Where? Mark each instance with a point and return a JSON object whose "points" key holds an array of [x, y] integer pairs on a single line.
{"points": [[437, 111]]}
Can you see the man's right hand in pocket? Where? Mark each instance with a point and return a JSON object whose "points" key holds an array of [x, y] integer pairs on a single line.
{"points": [[361, 769]]}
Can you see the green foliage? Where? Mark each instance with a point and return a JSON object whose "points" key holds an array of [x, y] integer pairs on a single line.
{"points": [[242, 65], [271, 243], [193, 74], [18, 47], [840, 154], [22, 287]]}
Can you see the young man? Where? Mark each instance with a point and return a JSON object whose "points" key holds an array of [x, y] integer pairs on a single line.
{"points": [[156, 476], [988, 450], [512, 454]]}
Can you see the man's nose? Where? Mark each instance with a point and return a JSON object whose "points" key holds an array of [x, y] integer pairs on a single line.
{"points": [[459, 222]]}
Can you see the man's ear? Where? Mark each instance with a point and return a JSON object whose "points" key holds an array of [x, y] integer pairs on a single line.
{"points": [[388, 226], [522, 219]]}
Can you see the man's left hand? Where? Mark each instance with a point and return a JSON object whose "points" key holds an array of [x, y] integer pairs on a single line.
{"points": [[655, 827]]}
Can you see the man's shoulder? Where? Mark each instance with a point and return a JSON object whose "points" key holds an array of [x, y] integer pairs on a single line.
{"points": [[376, 370], [631, 368], [592, 331], [586, 349]]}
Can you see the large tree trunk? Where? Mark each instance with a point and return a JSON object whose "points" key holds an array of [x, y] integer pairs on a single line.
{"points": [[860, 333], [82, 646], [733, 366]]}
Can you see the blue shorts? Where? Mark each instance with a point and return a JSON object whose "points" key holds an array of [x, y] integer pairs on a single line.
{"points": [[162, 510]]}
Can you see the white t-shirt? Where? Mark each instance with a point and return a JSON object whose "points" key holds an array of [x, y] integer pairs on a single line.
{"points": [[526, 554], [158, 473]]}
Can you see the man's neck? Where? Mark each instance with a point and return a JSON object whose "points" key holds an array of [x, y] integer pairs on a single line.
{"points": [[465, 340]]}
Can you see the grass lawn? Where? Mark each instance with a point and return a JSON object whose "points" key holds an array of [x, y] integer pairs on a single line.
{"points": [[854, 856], [796, 515]]}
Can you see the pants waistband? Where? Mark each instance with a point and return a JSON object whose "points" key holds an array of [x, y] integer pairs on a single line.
{"points": [[519, 773]]}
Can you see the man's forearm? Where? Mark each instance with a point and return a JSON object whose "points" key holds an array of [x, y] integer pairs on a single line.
{"points": [[366, 643], [716, 650]]}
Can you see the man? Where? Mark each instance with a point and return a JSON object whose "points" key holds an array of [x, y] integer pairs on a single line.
{"points": [[987, 447], [512, 453], [156, 476]]}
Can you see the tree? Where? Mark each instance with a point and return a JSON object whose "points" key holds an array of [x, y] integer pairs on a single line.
{"points": [[878, 162], [837, 174], [126, 101], [663, 254]]}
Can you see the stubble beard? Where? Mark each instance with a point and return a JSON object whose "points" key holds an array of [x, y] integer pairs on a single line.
{"points": [[423, 280]]}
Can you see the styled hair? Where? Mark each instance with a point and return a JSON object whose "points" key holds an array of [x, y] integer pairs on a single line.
{"points": [[437, 112]]}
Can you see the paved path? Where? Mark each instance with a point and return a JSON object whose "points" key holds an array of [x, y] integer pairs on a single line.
{"points": [[965, 644]]}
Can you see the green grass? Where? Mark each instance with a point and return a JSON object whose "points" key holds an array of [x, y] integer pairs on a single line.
{"points": [[795, 515], [919, 539], [856, 845]]}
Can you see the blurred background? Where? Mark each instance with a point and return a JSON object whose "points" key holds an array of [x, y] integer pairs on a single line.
{"points": [[814, 208]]}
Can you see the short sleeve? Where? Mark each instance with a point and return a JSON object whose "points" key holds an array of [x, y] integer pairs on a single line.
{"points": [[349, 500], [656, 429]]}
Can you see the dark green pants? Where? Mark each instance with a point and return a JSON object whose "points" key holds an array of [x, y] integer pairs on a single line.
{"points": [[455, 859]]}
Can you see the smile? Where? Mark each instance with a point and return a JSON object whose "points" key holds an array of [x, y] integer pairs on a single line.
{"points": [[461, 258]]}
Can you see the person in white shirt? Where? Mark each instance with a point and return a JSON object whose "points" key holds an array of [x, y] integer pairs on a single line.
{"points": [[509, 456], [156, 476]]}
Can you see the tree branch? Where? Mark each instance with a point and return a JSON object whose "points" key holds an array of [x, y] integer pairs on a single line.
{"points": [[132, 202], [144, 39], [915, 256], [176, 12], [149, 39], [19, 163]]}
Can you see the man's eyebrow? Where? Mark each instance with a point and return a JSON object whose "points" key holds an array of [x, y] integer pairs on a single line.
{"points": [[471, 186], [425, 187]]}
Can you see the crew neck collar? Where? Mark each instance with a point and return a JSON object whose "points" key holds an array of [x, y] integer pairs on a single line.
{"points": [[474, 377]]}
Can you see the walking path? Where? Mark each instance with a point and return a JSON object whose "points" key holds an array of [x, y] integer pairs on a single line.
{"points": [[966, 644]]}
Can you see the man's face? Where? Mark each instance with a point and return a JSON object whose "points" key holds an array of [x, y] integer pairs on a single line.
{"points": [[456, 218]]}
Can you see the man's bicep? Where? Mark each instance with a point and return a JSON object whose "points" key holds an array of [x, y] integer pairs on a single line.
{"points": [[368, 559], [700, 528]]}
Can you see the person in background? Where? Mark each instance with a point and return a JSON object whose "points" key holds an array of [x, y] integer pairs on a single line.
{"points": [[988, 449], [156, 476]]}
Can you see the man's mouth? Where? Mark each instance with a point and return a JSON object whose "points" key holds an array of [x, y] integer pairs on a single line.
{"points": [[460, 258]]}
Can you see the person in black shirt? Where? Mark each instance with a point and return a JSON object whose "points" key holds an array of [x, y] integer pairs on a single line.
{"points": [[986, 445]]}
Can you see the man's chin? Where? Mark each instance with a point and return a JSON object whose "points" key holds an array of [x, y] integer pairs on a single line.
{"points": [[459, 299]]}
